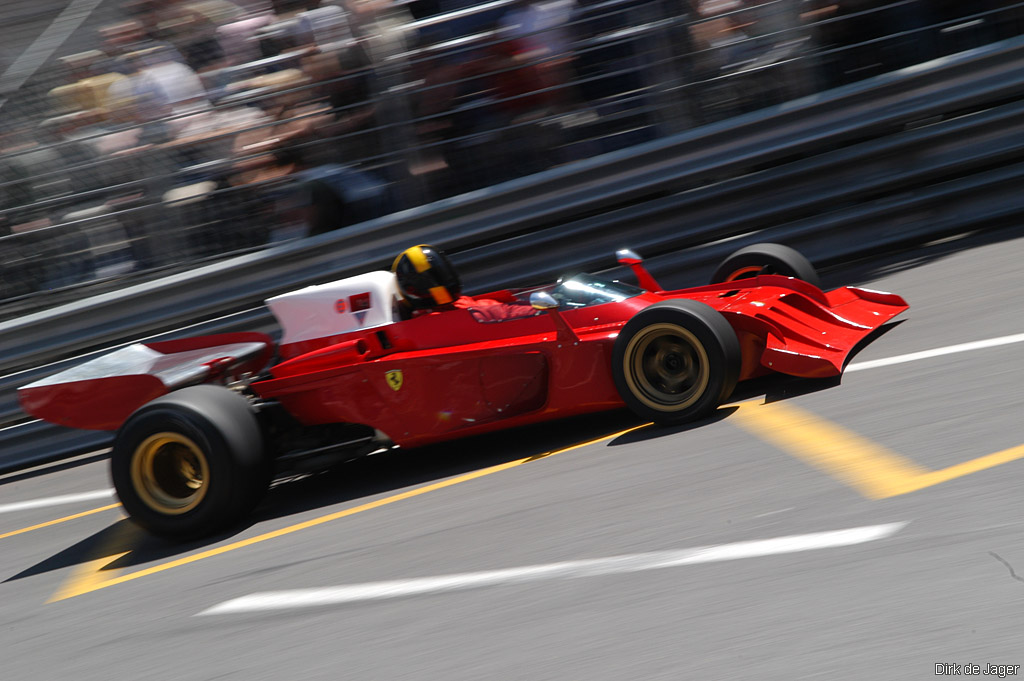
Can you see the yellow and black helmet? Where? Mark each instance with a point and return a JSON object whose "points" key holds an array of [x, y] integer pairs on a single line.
{"points": [[426, 277]]}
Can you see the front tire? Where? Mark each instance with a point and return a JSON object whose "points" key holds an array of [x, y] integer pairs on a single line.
{"points": [[190, 463], [766, 259], [676, 361]]}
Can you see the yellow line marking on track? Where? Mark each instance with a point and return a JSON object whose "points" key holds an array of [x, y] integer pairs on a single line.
{"points": [[967, 467], [871, 469], [87, 577], [58, 521], [123, 537]]}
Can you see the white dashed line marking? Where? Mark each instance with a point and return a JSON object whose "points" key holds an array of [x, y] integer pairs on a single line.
{"points": [[56, 501], [937, 352], [305, 598]]}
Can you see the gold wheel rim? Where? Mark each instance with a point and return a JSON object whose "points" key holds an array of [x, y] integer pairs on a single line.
{"points": [[170, 473], [666, 367]]}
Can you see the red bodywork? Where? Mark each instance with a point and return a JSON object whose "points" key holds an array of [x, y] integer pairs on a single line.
{"points": [[445, 375]]}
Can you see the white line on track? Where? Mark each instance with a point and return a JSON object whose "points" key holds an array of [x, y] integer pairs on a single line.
{"points": [[937, 352], [303, 598], [56, 501]]}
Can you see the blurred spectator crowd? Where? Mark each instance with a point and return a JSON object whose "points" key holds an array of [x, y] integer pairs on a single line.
{"points": [[198, 128]]}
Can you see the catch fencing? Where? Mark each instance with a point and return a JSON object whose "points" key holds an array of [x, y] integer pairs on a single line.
{"points": [[176, 141]]}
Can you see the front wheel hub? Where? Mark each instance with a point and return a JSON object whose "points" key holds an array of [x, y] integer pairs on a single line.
{"points": [[667, 367]]}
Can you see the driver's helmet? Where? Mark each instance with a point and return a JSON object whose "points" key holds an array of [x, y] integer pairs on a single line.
{"points": [[426, 278]]}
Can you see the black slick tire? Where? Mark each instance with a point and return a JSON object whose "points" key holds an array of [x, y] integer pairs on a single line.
{"points": [[766, 259], [190, 463], [676, 361]]}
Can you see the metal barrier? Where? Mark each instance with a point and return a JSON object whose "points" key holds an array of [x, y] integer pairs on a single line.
{"points": [[902, 158]]}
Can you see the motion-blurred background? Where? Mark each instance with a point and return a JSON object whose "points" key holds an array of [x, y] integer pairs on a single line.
{"points": [[145, 137]]}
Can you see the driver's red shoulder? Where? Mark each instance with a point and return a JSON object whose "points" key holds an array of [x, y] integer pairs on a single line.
{"points": [[465, 302]]}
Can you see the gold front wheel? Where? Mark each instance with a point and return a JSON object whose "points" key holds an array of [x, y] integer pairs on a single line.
{"points": [[675, 361], [666, 367]]}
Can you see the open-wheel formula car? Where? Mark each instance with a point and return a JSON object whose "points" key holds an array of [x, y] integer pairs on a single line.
{"points": [[203, 424]]}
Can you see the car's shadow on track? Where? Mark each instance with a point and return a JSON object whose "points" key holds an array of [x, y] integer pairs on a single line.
{"points": [[119, 537], [364, 479], [361, 479], [651, 431], [400, 469]]}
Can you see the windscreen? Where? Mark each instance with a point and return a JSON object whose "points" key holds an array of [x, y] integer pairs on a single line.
{"points": [[584, 290]]}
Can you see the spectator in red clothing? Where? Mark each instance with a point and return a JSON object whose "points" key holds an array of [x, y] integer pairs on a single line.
{"points": [[427, 282]]}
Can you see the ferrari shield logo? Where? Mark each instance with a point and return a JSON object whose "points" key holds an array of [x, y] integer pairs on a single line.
{"points": [[394, 379]]}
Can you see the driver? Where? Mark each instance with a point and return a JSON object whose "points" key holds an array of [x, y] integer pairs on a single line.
{"points": [[428, 282]]}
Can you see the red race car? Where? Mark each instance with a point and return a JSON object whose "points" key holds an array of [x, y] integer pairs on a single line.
{"points": [[384, 359]]}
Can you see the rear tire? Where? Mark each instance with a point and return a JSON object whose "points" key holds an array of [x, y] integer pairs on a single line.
{"points": [[676, 361], [766, 259], [190, 463]]}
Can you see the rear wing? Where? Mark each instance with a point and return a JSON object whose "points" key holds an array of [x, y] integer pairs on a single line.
{"points": [[101, 393]]}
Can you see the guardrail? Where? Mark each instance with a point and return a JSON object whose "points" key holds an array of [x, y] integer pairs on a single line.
{"points": [[837, 175]]}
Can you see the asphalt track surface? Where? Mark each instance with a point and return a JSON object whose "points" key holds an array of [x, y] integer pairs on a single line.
{"points": [[578, 564]]}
